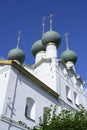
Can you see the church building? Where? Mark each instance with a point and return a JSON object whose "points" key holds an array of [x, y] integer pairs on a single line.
{"points": [[26, 91]]}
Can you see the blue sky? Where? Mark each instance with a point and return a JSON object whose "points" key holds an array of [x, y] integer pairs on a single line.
{"points": [[26, 15]]}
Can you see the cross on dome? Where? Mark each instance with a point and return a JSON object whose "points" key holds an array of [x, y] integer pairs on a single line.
{"points": [[51, 15], [19, 32], [66, 38], [43, 24]]}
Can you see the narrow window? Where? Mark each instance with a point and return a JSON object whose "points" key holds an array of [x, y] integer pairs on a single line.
{"points": [[68, 93], [76, 100], [30, 108]]}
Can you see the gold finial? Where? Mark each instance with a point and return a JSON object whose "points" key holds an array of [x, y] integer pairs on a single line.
{"points": [[19, 32], [43, 24], [51, 15], [66, 38]]}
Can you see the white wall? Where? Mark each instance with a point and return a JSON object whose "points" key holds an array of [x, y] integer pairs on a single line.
{"points": [[4, 78]]}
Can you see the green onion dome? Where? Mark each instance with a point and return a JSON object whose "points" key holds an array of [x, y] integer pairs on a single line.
{"points": [[16, 54], [69, 55], [51, 36], [37, 46]]}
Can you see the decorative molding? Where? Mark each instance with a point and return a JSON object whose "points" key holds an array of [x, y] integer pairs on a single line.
{"points": [[18, 124], [30, 76]]}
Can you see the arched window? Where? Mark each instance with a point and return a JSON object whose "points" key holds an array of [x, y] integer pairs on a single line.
{"points": [[30, 108], [68, 93], [76, 100]]}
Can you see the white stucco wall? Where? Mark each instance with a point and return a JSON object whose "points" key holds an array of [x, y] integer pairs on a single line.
{"points": [[4, 78], [17, 87]]}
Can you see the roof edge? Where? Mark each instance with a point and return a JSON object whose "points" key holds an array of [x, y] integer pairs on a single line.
{"points": [[29, 75]]}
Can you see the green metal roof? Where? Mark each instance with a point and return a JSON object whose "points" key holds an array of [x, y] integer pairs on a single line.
{"points": [[37, 46], [51, 36], [69, 55], [16, 54]]}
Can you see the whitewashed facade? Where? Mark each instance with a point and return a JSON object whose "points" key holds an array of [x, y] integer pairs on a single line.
{"points": [[57, 85], [25, 90]]}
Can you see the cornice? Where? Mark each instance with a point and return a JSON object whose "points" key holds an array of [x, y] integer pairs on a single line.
{"points": [[30, 76]]}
